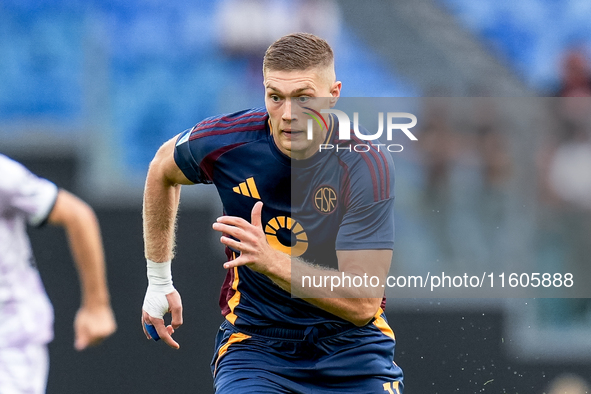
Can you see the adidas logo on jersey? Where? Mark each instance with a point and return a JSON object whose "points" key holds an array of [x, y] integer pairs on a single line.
{"points": [[247, 188]]}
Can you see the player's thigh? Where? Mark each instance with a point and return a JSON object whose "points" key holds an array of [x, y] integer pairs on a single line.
{"points": [[263, 385], [24, 369], [381, 385], [251, 382]]}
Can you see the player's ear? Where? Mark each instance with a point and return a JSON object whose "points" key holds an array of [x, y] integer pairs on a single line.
{"points": [[335, 92]]}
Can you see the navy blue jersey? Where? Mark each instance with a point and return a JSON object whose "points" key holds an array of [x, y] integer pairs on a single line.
{"points": [[332, 201]]}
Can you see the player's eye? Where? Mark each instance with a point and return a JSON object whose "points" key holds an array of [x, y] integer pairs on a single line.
{"points": [[303, 99], [275, 98]]}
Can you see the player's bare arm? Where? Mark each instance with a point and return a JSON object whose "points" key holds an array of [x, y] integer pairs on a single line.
{"points": [[161, 200], [357, 305], [94, 320]]}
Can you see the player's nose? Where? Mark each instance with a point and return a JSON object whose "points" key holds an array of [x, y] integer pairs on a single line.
{"points": [[288, 114]]}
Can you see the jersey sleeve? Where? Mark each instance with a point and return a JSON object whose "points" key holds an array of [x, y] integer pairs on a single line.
{"points": [[187, 162], [198, 149], [24, 192], [368, 222]]}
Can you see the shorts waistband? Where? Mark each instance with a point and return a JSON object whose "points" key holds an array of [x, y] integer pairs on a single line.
{"points": [[299, 333]]}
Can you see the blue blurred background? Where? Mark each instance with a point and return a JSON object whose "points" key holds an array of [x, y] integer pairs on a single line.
{"points": [[90, 89], [141, 72]]}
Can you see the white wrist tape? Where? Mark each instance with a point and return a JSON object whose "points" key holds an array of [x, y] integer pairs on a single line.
{"points": [[159, 285]]}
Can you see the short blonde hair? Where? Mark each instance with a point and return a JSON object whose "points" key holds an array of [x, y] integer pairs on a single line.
{"points": [[298, 52]]}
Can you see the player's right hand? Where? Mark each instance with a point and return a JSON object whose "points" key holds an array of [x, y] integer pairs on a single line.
{"points": [[156, 305]]}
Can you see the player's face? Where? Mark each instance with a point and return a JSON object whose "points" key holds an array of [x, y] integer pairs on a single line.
{"points": [[286, 95]]}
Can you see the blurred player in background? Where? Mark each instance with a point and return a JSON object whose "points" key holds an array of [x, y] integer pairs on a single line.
{"points": [[26, 314], [288, 209]]}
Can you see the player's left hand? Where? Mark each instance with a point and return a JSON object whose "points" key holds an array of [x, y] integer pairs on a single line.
{"points": [[254, 249], [92, 325]]}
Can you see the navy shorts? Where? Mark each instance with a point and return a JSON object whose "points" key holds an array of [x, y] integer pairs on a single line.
{"points": [[315, 360]]}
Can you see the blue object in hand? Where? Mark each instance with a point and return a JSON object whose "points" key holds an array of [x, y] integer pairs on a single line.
{"points": [[152, 331]]}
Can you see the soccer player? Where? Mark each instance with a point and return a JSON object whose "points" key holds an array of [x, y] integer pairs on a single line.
{"points": [[26, 314], [290, 211]]}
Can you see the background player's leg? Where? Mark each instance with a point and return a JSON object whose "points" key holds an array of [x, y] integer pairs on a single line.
{"points": [[23, 369]]}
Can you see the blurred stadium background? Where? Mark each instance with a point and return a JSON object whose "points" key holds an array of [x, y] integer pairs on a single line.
{"points": [[90, 89]]}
